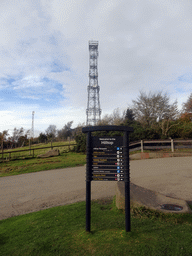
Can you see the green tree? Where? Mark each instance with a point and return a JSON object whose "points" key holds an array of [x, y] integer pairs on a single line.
{"points": [[80, 139], [129, 116], [42, 137], [187, 106], [22, 140]]}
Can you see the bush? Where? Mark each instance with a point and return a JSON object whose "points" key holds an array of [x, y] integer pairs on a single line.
{"points": [[81, 143]]}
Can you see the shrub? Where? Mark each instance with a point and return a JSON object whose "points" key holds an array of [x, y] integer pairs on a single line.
{"points": [[81, 143]]}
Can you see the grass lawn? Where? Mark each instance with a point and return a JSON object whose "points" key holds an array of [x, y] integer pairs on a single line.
{"points": [[61, 231], [70, 159]]}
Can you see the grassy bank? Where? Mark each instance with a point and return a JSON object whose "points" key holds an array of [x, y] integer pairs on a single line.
{"points": [[35, 150], [61, 231], [70, 159]]}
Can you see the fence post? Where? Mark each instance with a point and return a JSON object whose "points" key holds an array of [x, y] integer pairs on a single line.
{"points": [[172, 145], [29, 147], [51, 144], [142, 146], [2, 149], [9, 155], [69, 143]]}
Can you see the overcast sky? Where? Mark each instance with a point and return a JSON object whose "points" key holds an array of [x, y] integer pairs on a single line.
{"points": [[144, 45]]}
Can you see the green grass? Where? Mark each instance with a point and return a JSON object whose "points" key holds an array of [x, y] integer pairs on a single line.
{"points": [[70, 159], [61, 231]]}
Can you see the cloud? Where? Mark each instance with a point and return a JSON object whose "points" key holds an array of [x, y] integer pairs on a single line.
{"points": [[44, 59]]}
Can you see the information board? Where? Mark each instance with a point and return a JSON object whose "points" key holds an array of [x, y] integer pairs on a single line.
{"points": [[107, 159]]}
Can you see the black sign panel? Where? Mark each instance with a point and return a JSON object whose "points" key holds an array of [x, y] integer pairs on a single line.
{"points": [[107, 159]]}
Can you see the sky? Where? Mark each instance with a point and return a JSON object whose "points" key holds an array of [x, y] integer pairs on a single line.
{"points": [[144, 45]]}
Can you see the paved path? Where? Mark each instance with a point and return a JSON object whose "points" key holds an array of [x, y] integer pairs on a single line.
{"points": [[169, 176], [30, 192], [36, 191]]}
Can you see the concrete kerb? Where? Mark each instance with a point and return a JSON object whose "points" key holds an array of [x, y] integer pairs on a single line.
{"points": [[150, 199]]}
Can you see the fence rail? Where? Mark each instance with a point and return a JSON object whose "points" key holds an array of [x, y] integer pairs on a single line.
{"points": [[153, 144], [5, 153], [134, 146]]}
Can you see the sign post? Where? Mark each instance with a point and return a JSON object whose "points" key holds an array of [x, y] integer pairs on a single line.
{"points": [[88, 182], [108, 160], [127, 182]]}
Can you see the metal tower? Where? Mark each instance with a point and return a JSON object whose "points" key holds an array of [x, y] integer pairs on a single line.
{"points": [[93, 105], [32, 127]]}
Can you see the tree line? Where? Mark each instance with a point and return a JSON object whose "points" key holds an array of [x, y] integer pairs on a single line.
{"points": [[152, 116], [22, 138]]}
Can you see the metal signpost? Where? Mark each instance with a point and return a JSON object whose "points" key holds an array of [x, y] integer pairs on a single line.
{"points": [[108, 160]]}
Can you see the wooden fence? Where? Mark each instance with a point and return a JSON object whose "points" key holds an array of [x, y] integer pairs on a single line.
{"points": [[134, 146], [160, 144], [7, 154]]}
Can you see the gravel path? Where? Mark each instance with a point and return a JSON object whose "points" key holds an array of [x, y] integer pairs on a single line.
{"points": [[30, 192]]}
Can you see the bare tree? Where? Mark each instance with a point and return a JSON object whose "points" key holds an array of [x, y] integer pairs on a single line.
{"points": [[17, 133], [66, 131], [155, 110], [152, 108], [116, 118], [106, 120], [51, 131]]}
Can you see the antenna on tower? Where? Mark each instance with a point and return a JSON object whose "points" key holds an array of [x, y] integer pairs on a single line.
{"points": [[32, 128], [93, 104]]}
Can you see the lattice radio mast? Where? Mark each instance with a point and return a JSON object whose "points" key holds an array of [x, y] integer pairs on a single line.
{"points": [[93, 105], [32, 127]]}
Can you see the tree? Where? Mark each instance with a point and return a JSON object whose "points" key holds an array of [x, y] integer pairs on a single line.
{"points": [[3, 136], [22, 140], [129, 116], [155, 111], [116, 118], [51, 131], [80, 138], [152, 108], [17, 133], [186, 117], [42, 137], [28, 133], [66, 131], [187, 106]]}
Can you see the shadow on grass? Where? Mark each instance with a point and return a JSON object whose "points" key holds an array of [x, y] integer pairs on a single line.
{"points": [[3, 239]]}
